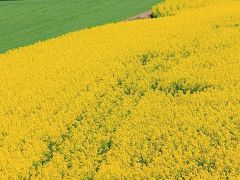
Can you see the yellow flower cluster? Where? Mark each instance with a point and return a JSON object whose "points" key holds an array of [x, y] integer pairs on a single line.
{"points": [[171, 7], [147, 99]]}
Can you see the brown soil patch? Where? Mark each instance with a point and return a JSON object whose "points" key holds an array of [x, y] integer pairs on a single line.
{"points": [[143, 15]]}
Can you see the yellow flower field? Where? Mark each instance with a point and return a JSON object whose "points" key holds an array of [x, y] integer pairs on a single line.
{"points": [[172, 7], [156, 99]]}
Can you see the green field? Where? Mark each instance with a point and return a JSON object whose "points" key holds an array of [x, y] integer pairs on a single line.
{"points": [[24, 22]]}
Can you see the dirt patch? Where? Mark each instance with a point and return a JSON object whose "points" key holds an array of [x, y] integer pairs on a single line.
{"points": [[143, 15]]}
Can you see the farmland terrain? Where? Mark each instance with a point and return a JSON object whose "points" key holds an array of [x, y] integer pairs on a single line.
{"points": [[155, 99], [24, 22]]}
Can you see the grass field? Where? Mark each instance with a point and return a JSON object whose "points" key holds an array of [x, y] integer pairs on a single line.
{"points": [[24, 22]]}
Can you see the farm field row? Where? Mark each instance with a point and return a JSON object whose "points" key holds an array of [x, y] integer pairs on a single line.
{"points": [[155, 98], [28, 21]]}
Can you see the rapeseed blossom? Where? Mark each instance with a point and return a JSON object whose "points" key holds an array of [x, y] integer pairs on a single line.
{"points": [[171, 7], [156, 99]]}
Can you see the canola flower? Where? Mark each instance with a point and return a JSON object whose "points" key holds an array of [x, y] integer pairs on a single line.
{"points": [[171, 7], [156, 99]]}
